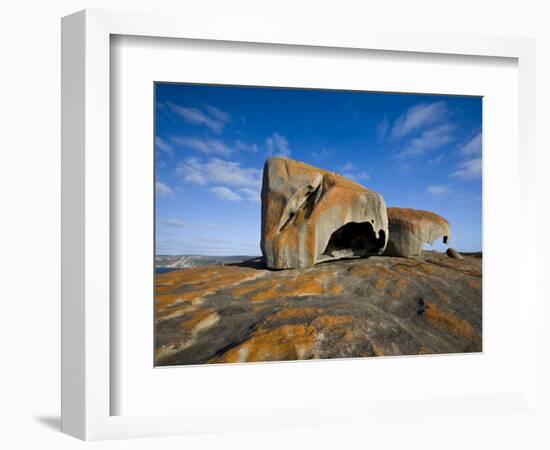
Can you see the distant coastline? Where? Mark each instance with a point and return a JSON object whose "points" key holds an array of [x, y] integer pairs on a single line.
{"points": [[168, 263]]}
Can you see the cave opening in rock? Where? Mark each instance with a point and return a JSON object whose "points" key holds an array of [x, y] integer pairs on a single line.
{"points": [[354, 239]]}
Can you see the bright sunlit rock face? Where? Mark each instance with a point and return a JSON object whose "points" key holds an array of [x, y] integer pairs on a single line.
{"points": [[310, 215], [410, 229]]}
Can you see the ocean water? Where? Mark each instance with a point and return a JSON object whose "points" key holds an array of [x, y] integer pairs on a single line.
{"points": [[164, 269]]}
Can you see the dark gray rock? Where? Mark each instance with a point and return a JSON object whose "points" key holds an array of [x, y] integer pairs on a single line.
{"points": [[380, 306]]}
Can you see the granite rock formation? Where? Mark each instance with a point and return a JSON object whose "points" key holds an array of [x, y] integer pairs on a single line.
{"points": [[311, 215], [380, 306], [410, 229]]}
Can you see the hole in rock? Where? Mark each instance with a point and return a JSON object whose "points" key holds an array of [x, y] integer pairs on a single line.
{"points": [[354, 239]]}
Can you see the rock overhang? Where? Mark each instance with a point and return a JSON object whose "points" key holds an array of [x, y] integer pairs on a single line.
{"points": [[310, 215]]}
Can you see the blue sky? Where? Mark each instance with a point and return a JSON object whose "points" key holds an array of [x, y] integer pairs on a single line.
{"points": [[418, 151]]}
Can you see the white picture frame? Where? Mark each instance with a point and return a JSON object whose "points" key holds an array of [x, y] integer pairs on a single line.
{"points": [[86, 286]]}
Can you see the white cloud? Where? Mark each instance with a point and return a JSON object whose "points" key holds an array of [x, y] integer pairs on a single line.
{"points": [[347, 167], [472, 147], [435, 161], [207, 146], [361, 176], [382, 128], [163, 190], [243, 146], [174, 223], [277, 145], [217, 171], [226, 194], [213, 118], [218, 114], [438, 189], [469, 169], [419, 117], [349, 170], [429, 139], [357, 176], [322, 154], [212, 146], [192, 171], [181, 223], [252, 195], [163, 146]]}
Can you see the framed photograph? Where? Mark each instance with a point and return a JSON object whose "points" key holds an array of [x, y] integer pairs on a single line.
{"points": [[291, 214], [262, 255]]}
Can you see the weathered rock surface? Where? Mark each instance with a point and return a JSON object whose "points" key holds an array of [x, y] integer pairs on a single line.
{"points": [[410, 229], [380, 306], [311, 215]]}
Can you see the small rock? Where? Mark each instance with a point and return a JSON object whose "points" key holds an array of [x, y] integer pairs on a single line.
{"points": [[452, 253]]}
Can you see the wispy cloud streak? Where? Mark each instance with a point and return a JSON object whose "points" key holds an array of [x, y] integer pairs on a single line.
{"points": [[219, 172], [419, 117], [277, 145], [211, 117]]}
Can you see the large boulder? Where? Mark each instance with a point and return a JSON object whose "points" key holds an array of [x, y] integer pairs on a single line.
{"points": [[311, 215], [410, 229]]}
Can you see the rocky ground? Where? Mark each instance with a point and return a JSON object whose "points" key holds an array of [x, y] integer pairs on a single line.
{"points": [[380, 306]]}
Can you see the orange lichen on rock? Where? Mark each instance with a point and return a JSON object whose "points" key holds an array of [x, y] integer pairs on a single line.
{"points": [[378, 350], [302, 285], [287, 342], [336, 289], [405, 270], [474, 284], [371, 270], [426, 268], [218, 275], [380, 284], [402, 283], [311, 287], [293, 313], [191, 285], [323, 322], [411, 267], [395, 293], [449, 322], [202, 319], [199, 322], [423, 350], [442, 295], [164, 301]]}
